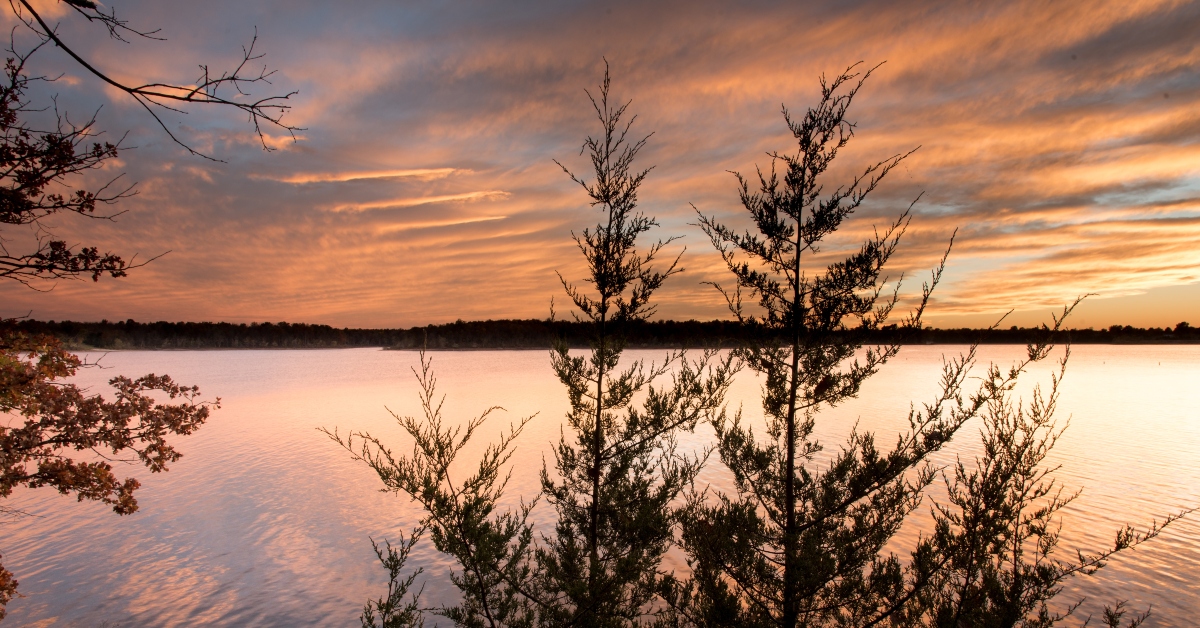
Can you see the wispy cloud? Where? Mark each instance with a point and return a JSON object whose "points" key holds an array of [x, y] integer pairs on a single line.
{"points": [[281, 142], [423, 200], [423, 174], [429, 224]]}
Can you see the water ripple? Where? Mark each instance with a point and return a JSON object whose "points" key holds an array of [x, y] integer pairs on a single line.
{"points": [[266, 522]]}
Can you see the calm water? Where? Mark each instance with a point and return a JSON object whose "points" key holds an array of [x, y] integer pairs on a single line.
{"points": [[266, 522]]}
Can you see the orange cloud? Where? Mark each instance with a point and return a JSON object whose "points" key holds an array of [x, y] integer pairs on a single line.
{"points": [[424, 200], [339, 177], [393, 228], [1059, 139]]}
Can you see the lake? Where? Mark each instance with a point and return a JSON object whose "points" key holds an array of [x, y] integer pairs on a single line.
{"points": [[267, 522]]}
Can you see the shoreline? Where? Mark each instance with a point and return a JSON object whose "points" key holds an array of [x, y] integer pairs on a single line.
{"points": [[88, 349], [532, 334]]}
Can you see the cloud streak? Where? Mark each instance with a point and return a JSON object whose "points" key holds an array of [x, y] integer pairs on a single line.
{"points": [[396, 203], [424, 174], [437, 223]]}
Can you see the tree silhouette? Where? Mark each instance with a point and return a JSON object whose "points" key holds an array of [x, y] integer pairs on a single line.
{"points": [[801, 542], [618, 473], [36, 164], [798, 545], [33, 169], [210, 88], [616, 469], [49, 420], [995, 537]]}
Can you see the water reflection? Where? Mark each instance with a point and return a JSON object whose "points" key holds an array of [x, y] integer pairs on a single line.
{"points": [[266, 522]]}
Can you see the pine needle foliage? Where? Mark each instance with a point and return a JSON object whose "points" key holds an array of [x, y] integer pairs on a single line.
{"points": [[996, 534], [799, 543], [391, 610], [617, 472], [490, 547]]}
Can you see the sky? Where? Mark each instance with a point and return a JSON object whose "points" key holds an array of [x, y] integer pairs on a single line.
{"points": [[1059, 139]]}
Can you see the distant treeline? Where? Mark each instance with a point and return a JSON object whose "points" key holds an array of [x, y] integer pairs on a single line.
{"points": [[518, 334]]}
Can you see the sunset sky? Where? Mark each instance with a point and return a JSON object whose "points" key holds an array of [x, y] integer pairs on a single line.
{"points": [[1061, 139]]}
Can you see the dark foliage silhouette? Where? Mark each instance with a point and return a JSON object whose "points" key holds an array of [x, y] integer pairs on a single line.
{"points": [[616, 470], [33, 168], [617, 473], [392, 610], [532, 334], [996, 536], [47, 420], [801, 542]]}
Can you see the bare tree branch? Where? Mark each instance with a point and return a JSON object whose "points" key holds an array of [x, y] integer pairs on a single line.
{"points": [[157, 97]]}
